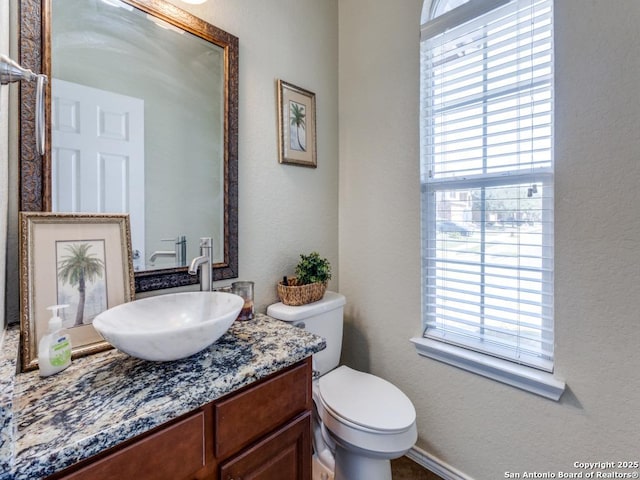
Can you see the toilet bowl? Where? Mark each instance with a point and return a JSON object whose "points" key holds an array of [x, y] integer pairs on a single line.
{"points": [[361, 421], [369, 420]]}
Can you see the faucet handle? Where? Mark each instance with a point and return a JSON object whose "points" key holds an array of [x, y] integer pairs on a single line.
{"points": [[206, 242]]}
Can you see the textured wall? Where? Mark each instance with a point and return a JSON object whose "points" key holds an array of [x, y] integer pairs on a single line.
{"points": [[283, 210], [478, 426]]}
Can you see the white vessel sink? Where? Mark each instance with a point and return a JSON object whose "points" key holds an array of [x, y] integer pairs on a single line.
{"points": [[169, 327]]}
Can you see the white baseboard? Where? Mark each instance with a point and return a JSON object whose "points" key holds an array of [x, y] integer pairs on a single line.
{"points": [[434, 464]]}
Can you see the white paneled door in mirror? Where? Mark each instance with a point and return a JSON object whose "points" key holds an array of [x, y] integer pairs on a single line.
{"points": [[97, 147]]}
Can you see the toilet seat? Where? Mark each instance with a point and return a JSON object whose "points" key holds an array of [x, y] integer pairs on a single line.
{"points": [[347, 395], [365, 414]]}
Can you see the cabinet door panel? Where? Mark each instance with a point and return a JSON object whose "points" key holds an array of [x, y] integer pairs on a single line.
{"points": [[249, 415], [174, 453], [283, 455]]}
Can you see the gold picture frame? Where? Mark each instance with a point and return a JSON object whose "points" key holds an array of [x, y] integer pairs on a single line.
{"points": [[83, 260], [297, 125]]}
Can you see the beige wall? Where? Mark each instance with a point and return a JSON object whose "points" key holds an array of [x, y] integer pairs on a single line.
{"points": [[284, 210], [476, 425]]}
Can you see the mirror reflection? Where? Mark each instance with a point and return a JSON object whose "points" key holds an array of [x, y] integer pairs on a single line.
{"points": [[138, 126]]}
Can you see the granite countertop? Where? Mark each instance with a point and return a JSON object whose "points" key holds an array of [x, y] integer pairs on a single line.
{"points": [[103, 399]]}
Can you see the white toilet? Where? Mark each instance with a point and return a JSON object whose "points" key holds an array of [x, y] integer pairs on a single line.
{"points": [[360, 421]]}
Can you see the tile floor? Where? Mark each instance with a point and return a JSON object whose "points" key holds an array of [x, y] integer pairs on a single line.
{"points": [[406, 469]]}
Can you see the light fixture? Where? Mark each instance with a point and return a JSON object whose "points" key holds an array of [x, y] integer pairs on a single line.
{"points": [[194, 2]]}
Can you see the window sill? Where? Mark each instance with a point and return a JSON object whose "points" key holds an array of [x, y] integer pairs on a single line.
{"points": [[519, 376]]}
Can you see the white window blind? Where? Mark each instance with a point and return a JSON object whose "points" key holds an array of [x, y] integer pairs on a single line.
{"points": [[487, 178]]}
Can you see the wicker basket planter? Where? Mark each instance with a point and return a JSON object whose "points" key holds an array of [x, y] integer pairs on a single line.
{"points": [[295, 295]]}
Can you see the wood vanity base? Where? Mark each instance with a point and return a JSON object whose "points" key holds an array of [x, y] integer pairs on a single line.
{"points": [[262, 432]]}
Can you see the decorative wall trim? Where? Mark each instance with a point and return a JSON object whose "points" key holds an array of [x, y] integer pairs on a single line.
{"points": [[32, 174], [435, 465]]}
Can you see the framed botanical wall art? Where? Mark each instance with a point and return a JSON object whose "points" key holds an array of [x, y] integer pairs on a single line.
{"points": [[80, 260], [296, 125]]}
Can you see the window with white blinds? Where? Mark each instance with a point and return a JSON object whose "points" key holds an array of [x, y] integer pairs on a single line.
{"points": [[487, 178]]}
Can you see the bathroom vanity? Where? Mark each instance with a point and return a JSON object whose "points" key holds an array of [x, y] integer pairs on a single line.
{"points": [[239, 409], [264, 428]]}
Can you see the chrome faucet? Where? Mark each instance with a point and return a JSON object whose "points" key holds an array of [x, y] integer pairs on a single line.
{"points": [[161, 253], [205, 262], [179, 252]]}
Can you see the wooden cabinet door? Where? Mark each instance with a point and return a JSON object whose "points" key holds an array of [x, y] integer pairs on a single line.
{"points": [[245, 417], [173, 453], [283, 455]]}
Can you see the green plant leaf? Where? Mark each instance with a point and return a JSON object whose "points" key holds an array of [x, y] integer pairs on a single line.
{"points": [[312, 269]]}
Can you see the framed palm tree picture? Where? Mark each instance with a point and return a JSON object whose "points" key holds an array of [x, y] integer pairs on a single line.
{"points": [[80, 261], [296, 125]]}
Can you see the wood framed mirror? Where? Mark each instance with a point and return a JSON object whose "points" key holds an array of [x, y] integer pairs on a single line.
{"points": [[182, 73]]}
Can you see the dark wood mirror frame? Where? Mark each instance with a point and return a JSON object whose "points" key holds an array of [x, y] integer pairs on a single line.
{"points": [[35, 170]]}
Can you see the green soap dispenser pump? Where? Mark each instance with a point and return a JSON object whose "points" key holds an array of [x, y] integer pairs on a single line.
{"points": [[54, 349]]}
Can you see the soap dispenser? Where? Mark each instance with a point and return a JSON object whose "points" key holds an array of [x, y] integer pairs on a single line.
{"points": [[54, 349]]}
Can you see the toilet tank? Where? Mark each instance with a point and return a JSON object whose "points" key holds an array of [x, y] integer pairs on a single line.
{"points": [[324, 318]]}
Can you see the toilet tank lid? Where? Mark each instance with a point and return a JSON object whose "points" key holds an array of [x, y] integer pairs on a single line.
{"points": [[289, 313]]}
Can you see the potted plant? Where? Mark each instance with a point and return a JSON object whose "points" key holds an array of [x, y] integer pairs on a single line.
{"points": [[310, 282]]}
